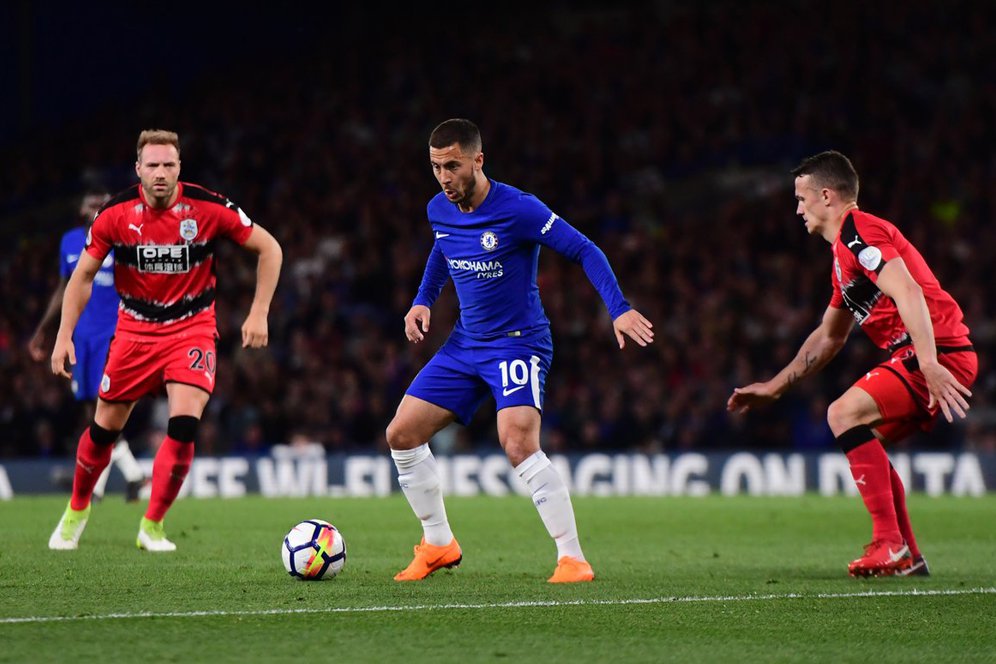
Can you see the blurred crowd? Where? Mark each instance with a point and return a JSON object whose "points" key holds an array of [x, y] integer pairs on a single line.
{"points": [[663, 131]]}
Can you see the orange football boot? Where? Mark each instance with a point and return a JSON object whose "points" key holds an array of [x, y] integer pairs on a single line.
{"points": [[571, 570], [429, 558]]}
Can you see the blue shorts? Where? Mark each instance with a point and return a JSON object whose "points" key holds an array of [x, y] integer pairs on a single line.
{"points": [[91, 356], [462, 373]]}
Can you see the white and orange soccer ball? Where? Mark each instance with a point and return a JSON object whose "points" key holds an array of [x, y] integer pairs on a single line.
{"points": [[313, 550]]}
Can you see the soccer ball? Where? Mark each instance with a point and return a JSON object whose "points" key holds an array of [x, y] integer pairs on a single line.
{"points": [[313, 550]]}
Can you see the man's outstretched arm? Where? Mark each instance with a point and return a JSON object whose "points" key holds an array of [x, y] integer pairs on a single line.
{"points": [[816, 351]]}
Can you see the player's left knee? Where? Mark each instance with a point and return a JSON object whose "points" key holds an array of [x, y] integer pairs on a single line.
{"points": [[841, 417], [518, 449], [182, 428], [101, 436]]}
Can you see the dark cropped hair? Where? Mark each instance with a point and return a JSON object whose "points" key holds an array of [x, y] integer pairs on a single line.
{"points": [[458, 130], [832, 170]]}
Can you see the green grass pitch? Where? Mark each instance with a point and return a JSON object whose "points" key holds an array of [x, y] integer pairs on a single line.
{"points": [[677, 579]]}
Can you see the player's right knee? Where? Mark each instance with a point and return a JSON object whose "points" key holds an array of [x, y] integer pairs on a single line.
{"points": [[101, 436], [182, 428], [400, 439]]}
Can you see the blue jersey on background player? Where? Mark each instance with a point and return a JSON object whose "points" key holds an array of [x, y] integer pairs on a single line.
{"points": [[100, 317], [91, 338], [93, 333], [487, 238]]}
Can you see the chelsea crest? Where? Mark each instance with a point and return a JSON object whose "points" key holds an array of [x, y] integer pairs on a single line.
{"points": [[489, 241]]}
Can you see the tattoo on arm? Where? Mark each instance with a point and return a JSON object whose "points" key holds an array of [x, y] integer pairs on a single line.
{"points": [[810, 361]]}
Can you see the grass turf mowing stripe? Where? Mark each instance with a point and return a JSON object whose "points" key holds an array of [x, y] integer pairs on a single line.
{"points": [[503, 605]]}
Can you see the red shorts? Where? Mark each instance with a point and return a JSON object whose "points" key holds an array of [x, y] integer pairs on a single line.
{"points": [[900, 390], [136, 368]]}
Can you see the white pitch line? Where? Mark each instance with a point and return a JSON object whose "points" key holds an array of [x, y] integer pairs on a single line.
{"points": [[500, 605]]}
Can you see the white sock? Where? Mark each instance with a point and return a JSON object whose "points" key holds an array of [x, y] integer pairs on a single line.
{"points": [[98, 488], [553, 503], [125, 460], [418, 476]]}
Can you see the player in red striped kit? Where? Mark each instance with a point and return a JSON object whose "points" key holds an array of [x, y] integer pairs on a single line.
{"points": [[163, 233], [881, 281]]}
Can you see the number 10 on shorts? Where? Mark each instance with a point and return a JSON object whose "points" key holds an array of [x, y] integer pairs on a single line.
{"points": [[516, 375]]}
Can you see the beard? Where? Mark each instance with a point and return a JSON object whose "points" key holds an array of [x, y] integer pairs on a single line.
{"points": [[159, 199], [468, 193]]}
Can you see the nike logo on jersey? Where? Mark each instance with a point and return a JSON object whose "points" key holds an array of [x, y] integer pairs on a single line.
{"points": [[137, 229], [440, 236], [508, 391], [868, 376]]}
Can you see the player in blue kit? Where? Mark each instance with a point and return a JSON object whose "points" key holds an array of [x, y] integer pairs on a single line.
{"points": [[487, 239], [92, 336]]}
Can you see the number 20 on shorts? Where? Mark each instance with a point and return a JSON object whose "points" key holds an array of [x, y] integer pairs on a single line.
{"points": [[202, 360]]}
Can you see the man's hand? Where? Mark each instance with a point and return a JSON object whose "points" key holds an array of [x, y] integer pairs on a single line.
{"points": [[255, 331], [754, 395], [945, 390], [36, 346], [417, 323], [632, 324], [64, 350]]}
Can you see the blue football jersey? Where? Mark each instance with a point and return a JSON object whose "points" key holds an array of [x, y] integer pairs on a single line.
{"points": [[492, 255], [100, 316]]}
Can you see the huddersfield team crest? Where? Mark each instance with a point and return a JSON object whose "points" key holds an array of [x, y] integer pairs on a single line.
{"points": [[188, 229]]}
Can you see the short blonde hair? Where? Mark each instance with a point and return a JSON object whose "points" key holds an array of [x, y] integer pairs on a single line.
{"points": [[158, 137]]}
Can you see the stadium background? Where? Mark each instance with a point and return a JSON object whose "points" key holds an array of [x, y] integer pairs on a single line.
{"points": [[664, 131]]}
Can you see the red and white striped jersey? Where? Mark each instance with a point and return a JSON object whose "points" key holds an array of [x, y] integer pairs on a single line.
{"points": [[164, 259]]}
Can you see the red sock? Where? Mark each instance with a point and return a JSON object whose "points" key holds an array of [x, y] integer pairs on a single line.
{"points": [[902, 516], [870, 470], [91, 459], [168, 472]]}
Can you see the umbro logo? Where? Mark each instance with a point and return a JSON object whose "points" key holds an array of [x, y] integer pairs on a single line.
{"points": [[137, 229]]}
